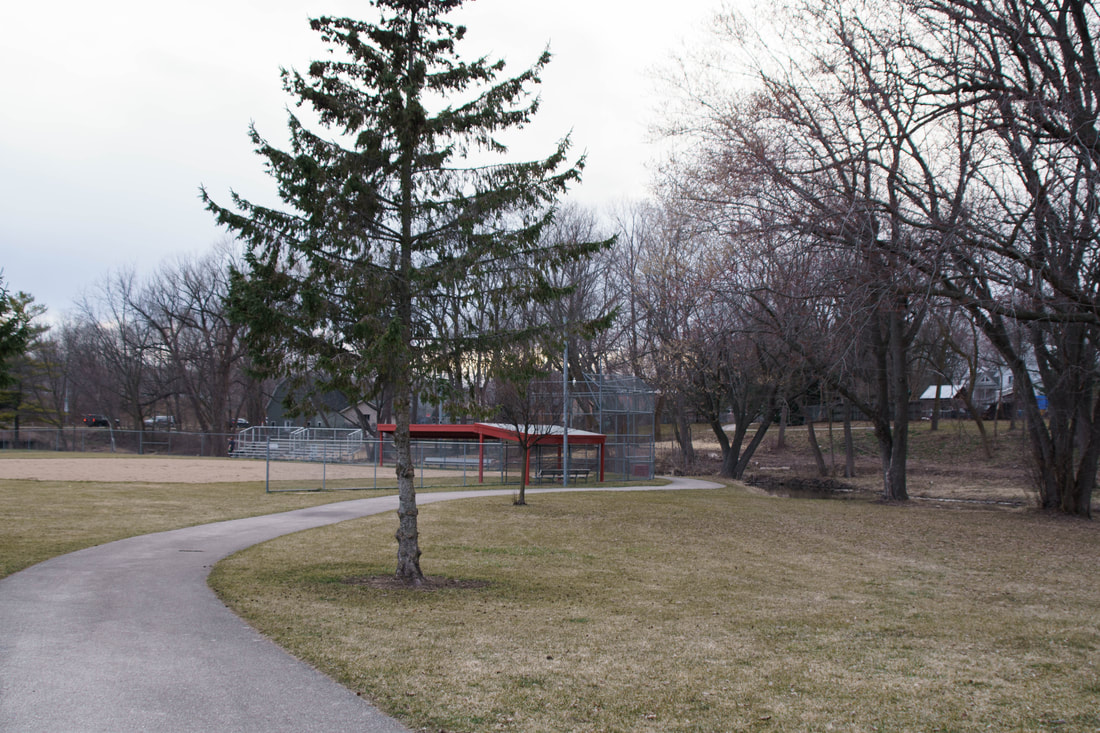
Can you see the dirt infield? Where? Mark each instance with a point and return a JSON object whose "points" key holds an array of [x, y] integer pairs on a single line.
{"points": [[154, 469]]}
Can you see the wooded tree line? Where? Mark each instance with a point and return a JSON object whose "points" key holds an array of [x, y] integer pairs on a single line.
{"points": [[864, 199], [133, 348], [898, 168]]}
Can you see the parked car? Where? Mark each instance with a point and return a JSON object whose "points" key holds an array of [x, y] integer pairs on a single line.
{"points": [[98, 421], [239, 424], [160, 421]]}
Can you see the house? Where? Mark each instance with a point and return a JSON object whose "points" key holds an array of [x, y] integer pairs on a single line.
{"points": [[950, 404], [329, 410], [992, 386], [994, 390]]}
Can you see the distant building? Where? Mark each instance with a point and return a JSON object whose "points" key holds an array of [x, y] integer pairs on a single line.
{"points": [[327, 410], [950, 403]]}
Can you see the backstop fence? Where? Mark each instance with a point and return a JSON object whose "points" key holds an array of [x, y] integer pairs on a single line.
{"points": [[297, 463]]}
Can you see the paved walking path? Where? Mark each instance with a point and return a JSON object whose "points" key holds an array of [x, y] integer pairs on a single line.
{"points": [[127, 637]]}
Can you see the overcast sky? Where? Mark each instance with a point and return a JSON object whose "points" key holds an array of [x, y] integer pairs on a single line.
{"points": [[114, 113]]}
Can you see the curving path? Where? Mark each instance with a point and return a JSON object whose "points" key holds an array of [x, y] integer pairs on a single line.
{"points": [[127, 637]]}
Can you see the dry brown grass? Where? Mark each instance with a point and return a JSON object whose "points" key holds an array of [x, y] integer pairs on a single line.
{"points": [[947, 464], [700, 611], [41, 519], [52, 503]]}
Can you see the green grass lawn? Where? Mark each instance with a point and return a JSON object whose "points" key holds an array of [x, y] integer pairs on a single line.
{"points": [[697, 611]]}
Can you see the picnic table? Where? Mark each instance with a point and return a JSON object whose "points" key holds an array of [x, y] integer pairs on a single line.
{"points": [[556, 474]]}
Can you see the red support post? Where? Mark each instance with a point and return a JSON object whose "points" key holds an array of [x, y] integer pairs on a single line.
{"points": [[481, 459]]}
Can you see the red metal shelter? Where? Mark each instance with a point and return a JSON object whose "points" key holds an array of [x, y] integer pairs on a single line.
{"points": [[549, 435]]}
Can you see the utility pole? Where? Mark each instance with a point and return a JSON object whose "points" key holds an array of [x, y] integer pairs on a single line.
{"points": [[565, 417]]}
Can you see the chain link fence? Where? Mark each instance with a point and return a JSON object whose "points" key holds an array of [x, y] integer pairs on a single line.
{"points": [[114, 440], [300, 459]]}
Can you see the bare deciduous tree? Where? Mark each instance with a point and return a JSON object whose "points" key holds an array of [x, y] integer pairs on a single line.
{"points": [[118, 346], [186, 306], [1026, 74]]}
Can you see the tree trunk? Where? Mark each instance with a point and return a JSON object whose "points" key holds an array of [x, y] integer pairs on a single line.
{"points": [[721, 436], [735, 460], [1080, 499], [408, 537], [822, 469], [936, 404], [976, 416], [525, 456], [658, 411], [683, 435], [849, 444], [743, 462], [408, 540], [894, 487], [731, 457]]}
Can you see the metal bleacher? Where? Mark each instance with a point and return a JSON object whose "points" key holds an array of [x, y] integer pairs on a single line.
{"points": [[299, 444]]}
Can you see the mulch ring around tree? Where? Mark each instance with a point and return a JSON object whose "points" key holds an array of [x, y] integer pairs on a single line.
{"points": [[430, 583]]}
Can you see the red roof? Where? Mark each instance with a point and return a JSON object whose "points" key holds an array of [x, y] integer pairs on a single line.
{"points": [[552, 434]]}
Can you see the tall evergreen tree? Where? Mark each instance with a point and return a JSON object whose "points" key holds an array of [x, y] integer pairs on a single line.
{"points": [[16, 312], [391, 212]]}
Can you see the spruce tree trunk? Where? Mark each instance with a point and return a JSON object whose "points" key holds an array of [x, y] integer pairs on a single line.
{"points": [[408, 538]]}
